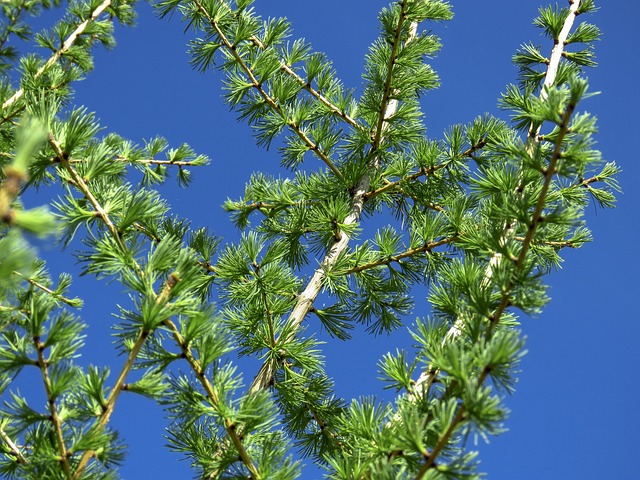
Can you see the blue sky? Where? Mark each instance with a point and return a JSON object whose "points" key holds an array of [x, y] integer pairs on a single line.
{"points": [[575, 412]]}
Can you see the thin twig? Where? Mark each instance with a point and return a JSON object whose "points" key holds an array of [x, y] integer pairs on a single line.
{"points": [[427, 247], [46, 289], [82, 186], [9, 27], [423, 172], [146, 161], [15, 451], [255, 83], [53, 410], [537, 216], [229, 425], [68, 43], [107, 408], [267, 308], [302, 82]]}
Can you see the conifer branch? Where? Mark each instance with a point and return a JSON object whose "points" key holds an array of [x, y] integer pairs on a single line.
{"points": [[68, 43], [145, 161], [53, 410], [267, 308], [119, 386], [79, 182], [269, 100], [537, 217], [306, 85], [117, 389], [427, 378], [495, 318], [554, 64], [265, 376], [460, 416], [229, 425], [10, 25], [423, 172], [14, 449], [46, 289], [388, 106], [397, 258]]}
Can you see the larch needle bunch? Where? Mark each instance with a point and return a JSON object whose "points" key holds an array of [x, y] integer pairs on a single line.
{"points": [[473, 220]]}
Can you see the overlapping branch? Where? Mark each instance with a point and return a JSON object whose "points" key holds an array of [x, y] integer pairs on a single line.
{"points": [[68, 43], [265, 376], [143, 334], [427, 379]]}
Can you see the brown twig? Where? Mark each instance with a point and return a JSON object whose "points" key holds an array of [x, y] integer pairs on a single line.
{"points": [[229, 425], [427, 247], [304, 83], [46, 289]]}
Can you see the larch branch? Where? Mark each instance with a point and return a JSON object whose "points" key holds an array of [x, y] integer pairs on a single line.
{"points": [[269, 100], [266, 375], [229, 426], [425, 380], [14, 449], [304, 83], [68, 43], [427, 247], [53, 410], [46, 289]]}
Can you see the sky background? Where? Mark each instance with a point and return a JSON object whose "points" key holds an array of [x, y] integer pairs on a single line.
{"points": [[575, 412]]}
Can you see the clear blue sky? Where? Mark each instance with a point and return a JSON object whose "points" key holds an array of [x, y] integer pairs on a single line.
{"points": [[575, 413]]}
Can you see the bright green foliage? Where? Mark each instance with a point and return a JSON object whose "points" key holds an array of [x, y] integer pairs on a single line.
{"points": [[479, 216]]}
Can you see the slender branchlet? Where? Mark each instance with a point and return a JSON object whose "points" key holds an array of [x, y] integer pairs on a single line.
{"points": [[269, 100], [68, 43], [305, 83], [15, 450], [56, 421], [397, 258], [229, 425]]}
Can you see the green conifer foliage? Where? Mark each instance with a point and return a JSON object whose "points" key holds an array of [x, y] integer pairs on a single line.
{"points": [[478, 216]]}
